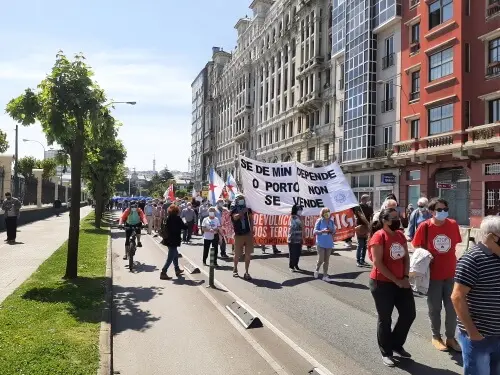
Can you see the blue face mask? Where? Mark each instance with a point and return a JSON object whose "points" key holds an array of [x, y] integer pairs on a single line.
{"points": [[441, 216], [241, 202]]}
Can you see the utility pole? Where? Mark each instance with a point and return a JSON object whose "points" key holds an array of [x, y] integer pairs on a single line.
{"points": [[16, 165]]}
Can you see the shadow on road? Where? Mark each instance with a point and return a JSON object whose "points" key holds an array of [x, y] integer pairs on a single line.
{"points": [[265, 284], [183, 281], [415, 368], [142, 267], [127, 313], [83, 295]]}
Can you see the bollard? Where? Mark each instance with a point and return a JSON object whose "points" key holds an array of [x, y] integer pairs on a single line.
{"points": [[211, 272]]}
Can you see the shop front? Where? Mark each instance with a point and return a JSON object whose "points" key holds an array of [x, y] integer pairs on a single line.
{"points": [[378, 184]]}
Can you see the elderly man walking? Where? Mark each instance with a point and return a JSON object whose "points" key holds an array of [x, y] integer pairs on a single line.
{"points": [[476, 298]]}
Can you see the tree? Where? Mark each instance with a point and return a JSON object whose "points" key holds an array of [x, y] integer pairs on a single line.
{"points": [[66, 103], [4, 144], [49, 167], [165, 175], [26, 165]]}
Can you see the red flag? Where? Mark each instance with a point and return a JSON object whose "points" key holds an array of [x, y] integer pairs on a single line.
{"points": [[170, 193]]}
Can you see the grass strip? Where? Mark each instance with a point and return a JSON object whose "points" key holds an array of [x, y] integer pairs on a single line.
{"points": [[51, 326]]}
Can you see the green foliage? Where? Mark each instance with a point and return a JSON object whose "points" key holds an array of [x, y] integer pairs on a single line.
{"points": [[49, 167], [181, 193], [26, 166], [4, 144], [165, 175]]}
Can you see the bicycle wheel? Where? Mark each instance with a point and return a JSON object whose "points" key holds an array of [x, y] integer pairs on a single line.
{"points": [[131, 254]]}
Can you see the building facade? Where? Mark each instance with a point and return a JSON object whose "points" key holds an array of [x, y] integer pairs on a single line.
{"points": [[450, 134]]}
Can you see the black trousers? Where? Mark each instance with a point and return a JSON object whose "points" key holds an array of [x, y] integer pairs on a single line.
{"points": [[388, 295], [188, 232], [206, 248], [11, 225], [294, 250]]}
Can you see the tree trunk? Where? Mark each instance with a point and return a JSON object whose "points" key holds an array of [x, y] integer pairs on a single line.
{"points": [[74, 220], [99, 205]]}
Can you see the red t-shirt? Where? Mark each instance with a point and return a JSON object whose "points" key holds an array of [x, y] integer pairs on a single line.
{"points": [[394, 253], [441, 243]]}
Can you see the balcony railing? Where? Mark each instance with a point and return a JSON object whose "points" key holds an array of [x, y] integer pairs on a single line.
{"points": [[387, 105], [483, 134], [414, 95], [493, 7], [493, 68], [383, 151], [414, 3], [406, 147], [388, 60], [414, 47], [445, 140]]}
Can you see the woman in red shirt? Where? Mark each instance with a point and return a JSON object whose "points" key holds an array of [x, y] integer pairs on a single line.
{"points": [[389, 284], [440, 236]]}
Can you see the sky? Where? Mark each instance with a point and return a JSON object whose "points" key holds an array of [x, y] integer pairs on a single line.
{"points": [[148, 51]]}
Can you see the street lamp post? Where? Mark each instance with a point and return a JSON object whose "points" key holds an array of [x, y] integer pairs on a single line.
{"points": [[111, 103], [40, 143]]}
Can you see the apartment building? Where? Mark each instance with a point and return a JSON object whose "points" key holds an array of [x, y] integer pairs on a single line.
{"points": [[367, 60], [272, 96], [449, 142]]}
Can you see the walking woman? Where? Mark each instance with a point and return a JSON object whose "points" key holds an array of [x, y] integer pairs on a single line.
{"points": [[295, 236], [390, 286], [172, 230], [324, 229]]}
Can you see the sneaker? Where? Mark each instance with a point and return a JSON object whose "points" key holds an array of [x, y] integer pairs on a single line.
{"points": [[179, 272], [388, 361], [316, 274], [292, 269], [247, 276], [359, 264], [297, 268], [453, 344], [139, 244], [164, 276], [439, 344], [402, 353], [235, 273], [277, 252], [326, 278]]}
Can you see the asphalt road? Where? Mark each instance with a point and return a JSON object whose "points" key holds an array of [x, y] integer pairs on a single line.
{"points": [[336, 321]]}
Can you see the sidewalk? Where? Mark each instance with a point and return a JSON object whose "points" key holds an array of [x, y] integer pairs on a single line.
{"points": [[36, 242], [170, 327]]}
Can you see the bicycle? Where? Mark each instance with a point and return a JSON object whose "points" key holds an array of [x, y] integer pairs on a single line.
{"points": [[132, 247]]}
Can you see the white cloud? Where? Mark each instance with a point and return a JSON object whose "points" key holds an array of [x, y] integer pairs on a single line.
{"points": [[159, 124]]}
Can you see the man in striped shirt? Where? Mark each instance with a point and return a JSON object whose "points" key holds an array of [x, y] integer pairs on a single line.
{"points": [[476, 298]]}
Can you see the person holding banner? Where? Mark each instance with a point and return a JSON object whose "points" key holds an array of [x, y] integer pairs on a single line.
{"points": [[324, 229], [295, 238], [242, 219]]}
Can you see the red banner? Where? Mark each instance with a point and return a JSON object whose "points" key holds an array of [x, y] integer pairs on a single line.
{"points": [[273, 229]]}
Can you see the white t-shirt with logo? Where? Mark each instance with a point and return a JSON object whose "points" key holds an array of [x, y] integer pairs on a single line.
{"points": [[210, 223]]}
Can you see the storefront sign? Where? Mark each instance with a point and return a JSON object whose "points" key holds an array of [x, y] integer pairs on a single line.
{"points": [[446, 186], [273, 188], [388, 178]]}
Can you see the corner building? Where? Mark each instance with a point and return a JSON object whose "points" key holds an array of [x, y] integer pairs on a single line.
{"points": [[367, 59], [450, 83]]}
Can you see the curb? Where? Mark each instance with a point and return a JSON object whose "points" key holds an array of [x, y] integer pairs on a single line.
{"points": [[106, 333]]}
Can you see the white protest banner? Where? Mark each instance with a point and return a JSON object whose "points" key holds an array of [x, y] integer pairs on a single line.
{"points": [[325, 186], [273, 188]]}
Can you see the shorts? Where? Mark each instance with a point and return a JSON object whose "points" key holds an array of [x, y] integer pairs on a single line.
{"points": [[243, 241]]}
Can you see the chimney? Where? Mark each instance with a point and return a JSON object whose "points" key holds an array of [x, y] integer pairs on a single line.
{"points": [[215, 50]]}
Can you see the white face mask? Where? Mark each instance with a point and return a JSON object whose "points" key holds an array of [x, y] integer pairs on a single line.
{"points": [[211, 214], [133, 209], [299, 213]]}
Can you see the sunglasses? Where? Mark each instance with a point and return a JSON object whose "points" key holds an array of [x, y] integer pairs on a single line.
{"points": [[446, 209]]}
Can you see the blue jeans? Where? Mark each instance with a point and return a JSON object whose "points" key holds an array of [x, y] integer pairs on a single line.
{"points": [[173, 256], [480, 357], [361, 251]]}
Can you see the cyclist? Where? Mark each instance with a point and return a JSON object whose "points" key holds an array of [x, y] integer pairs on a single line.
{"points": [[134, 218]]}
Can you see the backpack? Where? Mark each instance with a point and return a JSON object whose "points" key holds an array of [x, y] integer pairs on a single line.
{"points": [[133, 218], [149, 210]]}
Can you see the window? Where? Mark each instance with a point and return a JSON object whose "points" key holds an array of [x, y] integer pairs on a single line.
{"points": [[299, 154], [467, 57], [283, 131], [415, 129], [290, 129], [441, 64], [415, 86], [299, 125], [467, 7], [311, 154], [327, 113], [341, 76], [414, 175], [326, 151], [441, 119], [388, 102], [413, 194], [388, 59], [493, 57], [415, 38], [387, 136], [440, 11], [467, 113], [494, 110]]}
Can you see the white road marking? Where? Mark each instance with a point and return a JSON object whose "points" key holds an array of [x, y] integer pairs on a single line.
{"points": [[314, 363]]}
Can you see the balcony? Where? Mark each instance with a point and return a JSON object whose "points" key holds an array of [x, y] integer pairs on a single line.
{"points": [[383, 151], [414, 3], [493, 69], [388, 60], [241, 134], [493, 8], [414, 96], [483, 137], [414, 47], [445, 140], [387, 105]]}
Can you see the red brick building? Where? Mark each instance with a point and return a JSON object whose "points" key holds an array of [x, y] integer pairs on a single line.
{"points": [[450, 105]]}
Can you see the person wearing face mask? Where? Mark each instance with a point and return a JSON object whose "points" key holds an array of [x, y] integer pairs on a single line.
{"points": [[476, 296], [390, 286], [295, 238], [189, 216], [148, 211], [440, 236], [203, 212], [418, 216], [242, 219], [388, 203], [324, 229], [219, 211], [210, 227], [134, 218], [11, 207]]}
